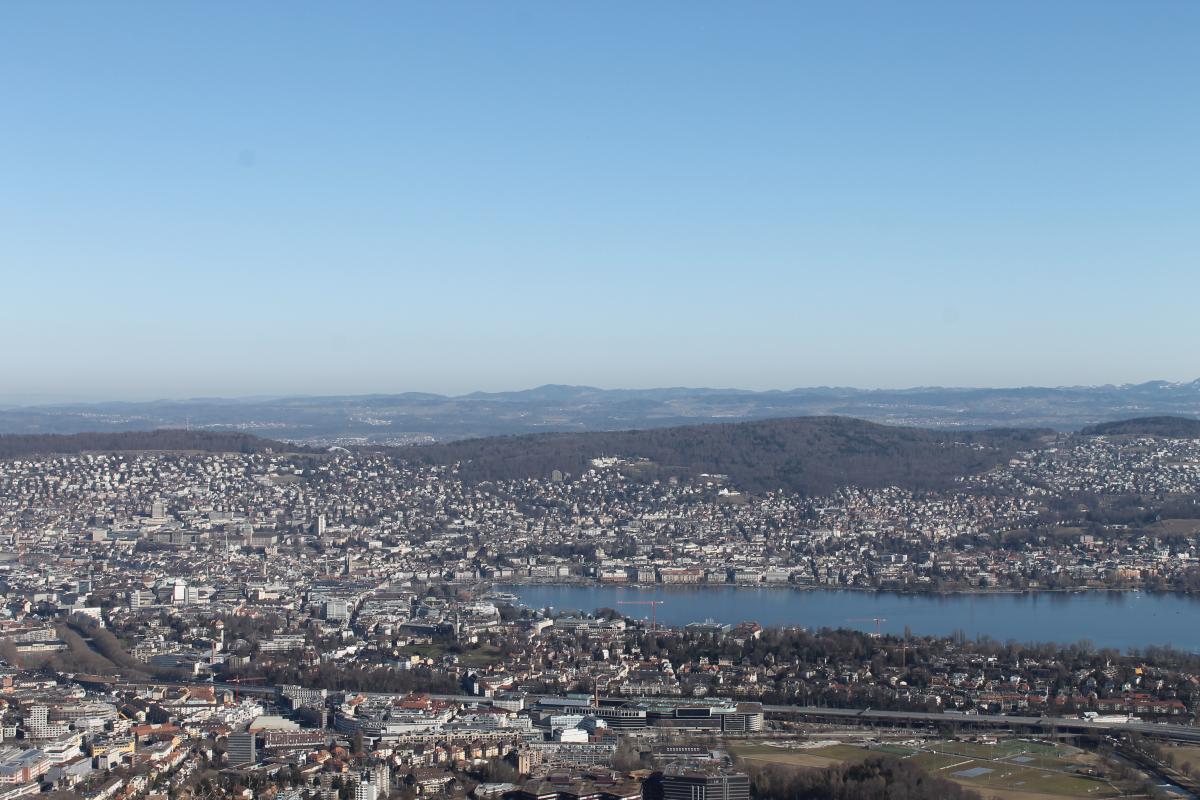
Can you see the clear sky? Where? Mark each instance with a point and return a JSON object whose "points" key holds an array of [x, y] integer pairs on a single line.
{"points": [[244, 198]]}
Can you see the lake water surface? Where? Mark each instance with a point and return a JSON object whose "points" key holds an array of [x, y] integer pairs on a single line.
{"points": [[1106, 619]]}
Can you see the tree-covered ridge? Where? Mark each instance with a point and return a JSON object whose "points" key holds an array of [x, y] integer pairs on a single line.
{"points": [[810, 455], [1169, 427]]}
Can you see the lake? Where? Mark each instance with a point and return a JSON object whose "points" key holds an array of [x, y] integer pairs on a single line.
{"points": [[1106, 619]]}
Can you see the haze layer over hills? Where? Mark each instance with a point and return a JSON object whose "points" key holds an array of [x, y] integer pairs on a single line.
{"points": [[415, 417]]}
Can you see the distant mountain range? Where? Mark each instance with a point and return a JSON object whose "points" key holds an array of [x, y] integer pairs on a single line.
{"points": [[416, 417]]}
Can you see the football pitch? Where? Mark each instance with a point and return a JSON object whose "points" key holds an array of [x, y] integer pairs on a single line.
{"points": [[1008, 769]]}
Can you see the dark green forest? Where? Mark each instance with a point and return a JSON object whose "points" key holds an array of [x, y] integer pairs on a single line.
{"points": [[1170, 427], [810, 455]]}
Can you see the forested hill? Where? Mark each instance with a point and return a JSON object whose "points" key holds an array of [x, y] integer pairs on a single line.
{"points": [[1169, 427], [18, 445], [811, 455]]}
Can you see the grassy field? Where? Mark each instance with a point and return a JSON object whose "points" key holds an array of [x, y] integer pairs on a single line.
{"points": [[1184, 753], [1174, 527], [795, 757], [472, 657], [1010, 770]]}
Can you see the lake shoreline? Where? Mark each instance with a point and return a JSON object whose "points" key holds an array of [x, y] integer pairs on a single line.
{"points": [[1099, 617], [587, 583]]}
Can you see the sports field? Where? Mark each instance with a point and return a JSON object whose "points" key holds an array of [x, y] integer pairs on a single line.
{"points": [[808, 757], [1011, 770]]}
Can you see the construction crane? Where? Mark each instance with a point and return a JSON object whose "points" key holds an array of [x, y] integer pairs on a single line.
{"points": [[239, 681], [654, 604], [876, 620], [131, 722]]}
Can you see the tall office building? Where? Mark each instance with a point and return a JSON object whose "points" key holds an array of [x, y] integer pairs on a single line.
{"points": [[37, 723], [240, 750]]}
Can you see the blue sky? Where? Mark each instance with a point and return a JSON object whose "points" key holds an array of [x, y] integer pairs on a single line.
{"points": [[232, 199]]}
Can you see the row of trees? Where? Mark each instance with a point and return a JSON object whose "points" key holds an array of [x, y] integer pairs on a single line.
{"points": [[1060, 665], [355, 678]]}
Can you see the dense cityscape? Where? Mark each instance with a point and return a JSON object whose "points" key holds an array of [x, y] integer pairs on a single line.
{"points": [[278, 624], [1089, 512]]}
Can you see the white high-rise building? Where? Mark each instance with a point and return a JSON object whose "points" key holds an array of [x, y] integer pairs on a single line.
{"points": [[368, 787], [37, 723]]}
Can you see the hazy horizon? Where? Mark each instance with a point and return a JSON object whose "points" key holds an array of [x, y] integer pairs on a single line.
{"points": [[14, 400]]}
